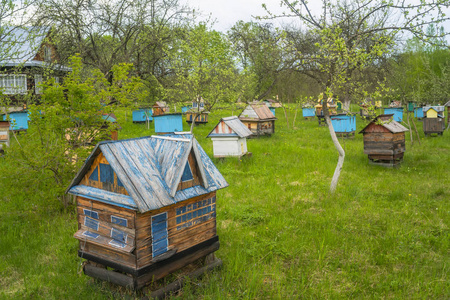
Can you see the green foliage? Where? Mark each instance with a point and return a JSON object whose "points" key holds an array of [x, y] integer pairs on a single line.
{"points": [[204, 68], [383, 234], [68, 121]]}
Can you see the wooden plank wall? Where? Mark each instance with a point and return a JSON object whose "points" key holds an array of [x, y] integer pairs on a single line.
{"points": [[182, 235], [100, 246]]}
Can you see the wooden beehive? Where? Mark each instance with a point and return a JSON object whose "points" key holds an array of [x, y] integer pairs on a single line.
{"points": [[308, 112], [384, 141], [344, 124], [396, 111], [168, 123], [160, 108], [229, 137], [418, 112], [258, 119], [18, 120], [142, 115], [146, 207], [202, 117], [4, 135]]}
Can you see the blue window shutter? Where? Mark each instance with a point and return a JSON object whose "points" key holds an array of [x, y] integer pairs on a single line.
{"points": [[187, 173], [106, 173], [94, 175]]}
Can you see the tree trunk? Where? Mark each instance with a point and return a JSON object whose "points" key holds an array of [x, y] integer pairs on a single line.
{"points": [[340, 164], [341, 152]]}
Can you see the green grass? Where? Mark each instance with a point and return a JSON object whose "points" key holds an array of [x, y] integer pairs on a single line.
{"points": [[383, 234]]}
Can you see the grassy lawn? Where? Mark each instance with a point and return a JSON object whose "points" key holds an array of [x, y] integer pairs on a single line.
{"points": [[383, 234]]}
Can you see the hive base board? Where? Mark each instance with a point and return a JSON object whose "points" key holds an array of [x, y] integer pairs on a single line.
{"points": [[386, 163], [133, 280], [346, 134]]}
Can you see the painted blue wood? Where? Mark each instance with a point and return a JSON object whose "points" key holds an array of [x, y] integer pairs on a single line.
{"points": [[106, 173], [94, 175], [396, 111], [91, 234], [187, 173], [308, 112], [418, 112], [272, 109], [119, 221], [91, 213], [118, 235], [168, 123], [149, 169], [141, 115], [91, 223], [89, 192], [159, 230], [19, 120], [343, 123]]}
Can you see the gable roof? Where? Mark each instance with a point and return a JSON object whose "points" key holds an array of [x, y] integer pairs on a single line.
{"points": [[238, 128], [150, 169], [20, 45], [436, 108], [387, 122], [257, 112], [447, 104]]}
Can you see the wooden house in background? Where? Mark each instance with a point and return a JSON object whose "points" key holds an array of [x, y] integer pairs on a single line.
{"points": [[434, 120], [198, 105], [168, 123], [202, 117], [28, 58], [384, 141], [4, 135], [146, 208], [229, 137], [142, 115], [160, 108], [259, 119]]}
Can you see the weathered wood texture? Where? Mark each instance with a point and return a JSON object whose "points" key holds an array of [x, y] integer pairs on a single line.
{"points": [[96, 180], [384, 146], [4, 133], [109, 276], [433, 125], [259, 128], [181, 234]]}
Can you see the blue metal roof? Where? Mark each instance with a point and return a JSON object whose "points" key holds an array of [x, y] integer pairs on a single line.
{"points": [[150, 169]]}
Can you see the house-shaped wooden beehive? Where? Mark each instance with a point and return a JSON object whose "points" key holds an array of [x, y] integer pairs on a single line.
{"points": [[259, 119], [229, 137], [146, 207], [384, 141], [434, 120], [160, 108]]}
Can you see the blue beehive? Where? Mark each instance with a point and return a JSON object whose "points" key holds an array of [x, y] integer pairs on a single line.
{"points": [[309, 112], [344, 124], [19, 120], [418, 112], [168, 123], [184, 109], [272, 109], [142, 114], [396, 111]]}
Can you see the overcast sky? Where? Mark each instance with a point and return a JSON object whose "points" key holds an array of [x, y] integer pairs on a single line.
{"points": [[228, 12]]}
